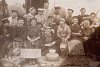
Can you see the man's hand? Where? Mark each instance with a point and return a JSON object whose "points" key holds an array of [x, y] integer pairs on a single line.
{"points": [[33, 43], [48, 45], [85, 38], [92, 26], [28, 38], [53, 30], [7, 35], [76, 34]]}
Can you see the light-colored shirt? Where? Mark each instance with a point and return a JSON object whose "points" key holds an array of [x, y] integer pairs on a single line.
{"points": [[96, 23], [27, 18], [40, 18], [64, 31], [46, 13], [13, 21]]}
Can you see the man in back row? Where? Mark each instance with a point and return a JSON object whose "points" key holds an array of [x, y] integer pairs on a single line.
{"points": [[82, 14]]}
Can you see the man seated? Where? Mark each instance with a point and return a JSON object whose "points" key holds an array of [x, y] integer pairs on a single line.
{"points": [[49, 40], [13, 59], [75, 44], [86, 34], [63, 33], [86, 28], [75, 28]]}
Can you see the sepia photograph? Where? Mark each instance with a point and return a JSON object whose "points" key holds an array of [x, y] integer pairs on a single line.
{"points": [[49, 33]]}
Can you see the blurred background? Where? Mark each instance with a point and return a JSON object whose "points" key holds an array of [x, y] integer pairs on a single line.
{"points": [[90, 5]]}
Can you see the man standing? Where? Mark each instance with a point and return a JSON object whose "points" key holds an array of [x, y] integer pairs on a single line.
{"points": [[83, 13], [46, 10], [56, 15], [70, 16], [13, 19], [40, 17], [13, 22], [94, 21]]}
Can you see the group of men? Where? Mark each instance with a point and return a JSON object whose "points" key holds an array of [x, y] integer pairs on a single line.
{"points": [[47, 30]]}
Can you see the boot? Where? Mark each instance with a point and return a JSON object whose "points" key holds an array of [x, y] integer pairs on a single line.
{"points": [[63, 53]]}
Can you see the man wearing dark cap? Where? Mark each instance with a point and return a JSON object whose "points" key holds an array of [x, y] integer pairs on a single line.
{"points": [[70, 15], [56, 15], [5, 37], [82, 14]]}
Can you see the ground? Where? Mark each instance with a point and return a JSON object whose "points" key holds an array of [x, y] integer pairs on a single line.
{"points": [[72, 61]]}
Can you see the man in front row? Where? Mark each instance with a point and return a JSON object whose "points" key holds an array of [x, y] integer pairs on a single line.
{"points": [[63, 33]]}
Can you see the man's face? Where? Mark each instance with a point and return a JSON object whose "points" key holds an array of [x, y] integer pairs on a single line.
{"points": [[86, 23], [21, 23], [17, 51], [14, 14], [83, 12], [33, 23], [70, 12], [50, 19], [92, 16], [33, 11], [75, 21], [40, 12], [48, 32], [57, 11], [62, 23], [46, 5]]}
